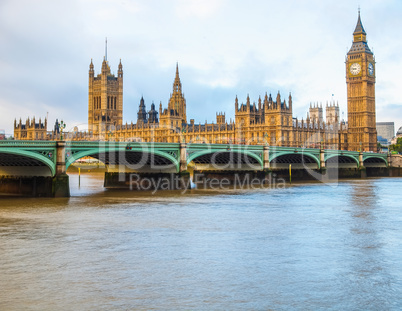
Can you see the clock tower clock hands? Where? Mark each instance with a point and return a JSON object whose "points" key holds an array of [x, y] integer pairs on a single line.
{"points": [[371, 69], [355, 68]]}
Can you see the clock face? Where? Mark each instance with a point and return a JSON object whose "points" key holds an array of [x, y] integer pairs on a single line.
{"points": [[371, 69], [355, 68]]}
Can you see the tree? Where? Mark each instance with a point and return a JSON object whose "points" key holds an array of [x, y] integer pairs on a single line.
{"points": [[397, 147]]}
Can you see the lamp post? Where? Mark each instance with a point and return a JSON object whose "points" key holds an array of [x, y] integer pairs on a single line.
{"points": [[62, 126]]}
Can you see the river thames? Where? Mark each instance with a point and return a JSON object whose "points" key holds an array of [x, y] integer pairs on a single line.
{"points": [[303, 247]]}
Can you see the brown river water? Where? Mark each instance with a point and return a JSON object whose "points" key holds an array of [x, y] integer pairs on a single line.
{"points": [[306, 246]]}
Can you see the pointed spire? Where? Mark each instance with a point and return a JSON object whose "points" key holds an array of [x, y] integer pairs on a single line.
{"points": [[177, 83], [278, 99], [359, 26], [290, 100], [106, 49]]}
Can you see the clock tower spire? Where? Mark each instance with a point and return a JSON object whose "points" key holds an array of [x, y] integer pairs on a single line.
{"points": [[360, 82]]}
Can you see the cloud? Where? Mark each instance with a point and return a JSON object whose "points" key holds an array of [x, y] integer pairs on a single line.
{"points": [[198, 8], [224, 49]]}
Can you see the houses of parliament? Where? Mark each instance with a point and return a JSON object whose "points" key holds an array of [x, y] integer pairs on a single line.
{"points": [[268, 120]]}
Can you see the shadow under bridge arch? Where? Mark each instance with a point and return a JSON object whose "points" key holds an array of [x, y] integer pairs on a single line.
{"points": [[227, 160], [133, 160], [25, 163], [373, 161], [297, 160], [341, 161]]}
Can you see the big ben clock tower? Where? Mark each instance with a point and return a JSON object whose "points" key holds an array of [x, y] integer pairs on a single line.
{"points": [[360, 81]]}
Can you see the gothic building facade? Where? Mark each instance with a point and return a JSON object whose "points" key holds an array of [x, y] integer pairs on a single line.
{"points": [[268, 120], [105, 100]]}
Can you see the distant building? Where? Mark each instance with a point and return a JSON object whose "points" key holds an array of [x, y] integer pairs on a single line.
{"points": [[385, 131], [2, 135], [30, 130], [398, 135]]}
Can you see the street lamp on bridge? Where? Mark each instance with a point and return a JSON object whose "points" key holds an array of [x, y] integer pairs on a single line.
{"points": [[62, 126]]}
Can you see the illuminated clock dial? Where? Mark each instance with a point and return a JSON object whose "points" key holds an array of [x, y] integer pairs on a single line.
{"points": [[355, 68], [370, 69]]}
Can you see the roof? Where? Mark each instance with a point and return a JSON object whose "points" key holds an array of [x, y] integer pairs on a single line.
{"points": [[359, 26]]}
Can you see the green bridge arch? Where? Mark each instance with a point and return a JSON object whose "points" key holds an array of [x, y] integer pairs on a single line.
{"points": [[84, 153], [33, 155], [251, 154], [274, 155], [375, 156], [329, 156]]}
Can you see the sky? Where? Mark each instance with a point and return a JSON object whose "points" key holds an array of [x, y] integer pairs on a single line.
{"points": [[224, 49]]}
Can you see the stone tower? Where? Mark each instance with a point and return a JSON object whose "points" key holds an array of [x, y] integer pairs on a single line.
{"points": [[332, 113], [316, 113], [142, 113], [105, 100], [177, 102], [153, 115], [360, 81]]}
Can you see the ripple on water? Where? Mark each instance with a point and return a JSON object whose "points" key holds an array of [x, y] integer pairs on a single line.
{"points": [[308, 246]]}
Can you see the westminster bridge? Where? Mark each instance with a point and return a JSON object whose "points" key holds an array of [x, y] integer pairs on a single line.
{"points": [[39, 167]]}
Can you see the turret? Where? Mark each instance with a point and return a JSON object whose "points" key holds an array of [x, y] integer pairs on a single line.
{"points": [[91, 69], [290, 101], [142, 114], [105, 67], [278, 100], [266, 104], [152, 114], [120, 70]]}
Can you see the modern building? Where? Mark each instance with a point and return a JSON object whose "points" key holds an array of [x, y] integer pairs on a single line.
{"points": [[385, 131], [266, 120]]}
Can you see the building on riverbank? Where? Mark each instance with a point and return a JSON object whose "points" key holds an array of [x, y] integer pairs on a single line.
{"points": [[267, 119]]}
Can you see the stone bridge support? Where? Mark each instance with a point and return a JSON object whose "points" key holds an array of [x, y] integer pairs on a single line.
{"points": [[363, 172], [322, 158], [60, 184], [266, 158], [183, 158]]}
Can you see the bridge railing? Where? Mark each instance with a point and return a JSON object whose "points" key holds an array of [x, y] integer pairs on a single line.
{"points": [[25, 143]]}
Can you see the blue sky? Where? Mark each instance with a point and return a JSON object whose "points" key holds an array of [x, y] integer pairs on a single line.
{"points": [[224, 48]]}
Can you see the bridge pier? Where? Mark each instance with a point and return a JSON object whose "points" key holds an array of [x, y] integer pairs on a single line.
{"points": [[322, 159], [362, 169], [183, 157], [266, 158], [60, 182]]}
